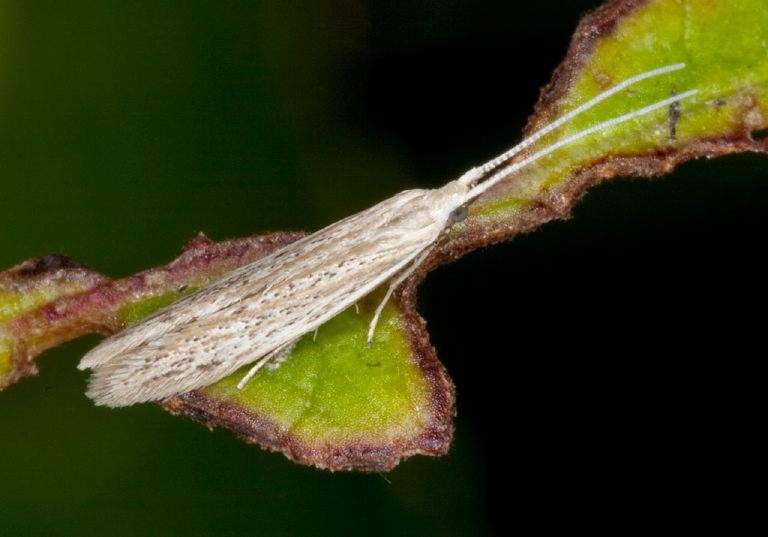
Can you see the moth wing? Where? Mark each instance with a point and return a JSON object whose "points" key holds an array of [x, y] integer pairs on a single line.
{"points": [[260, 307]]}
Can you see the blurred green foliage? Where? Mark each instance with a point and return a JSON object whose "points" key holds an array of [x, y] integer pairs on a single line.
{"points": [[127, 127]]}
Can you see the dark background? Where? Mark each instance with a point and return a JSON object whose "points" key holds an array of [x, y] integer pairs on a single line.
{"points": [[603, 364]]}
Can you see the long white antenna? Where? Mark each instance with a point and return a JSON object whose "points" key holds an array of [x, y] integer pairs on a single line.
{"points": [[475, 173], [506, 172]]}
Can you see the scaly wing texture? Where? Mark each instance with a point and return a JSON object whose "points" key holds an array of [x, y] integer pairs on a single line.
{"points": [[216, 330]]}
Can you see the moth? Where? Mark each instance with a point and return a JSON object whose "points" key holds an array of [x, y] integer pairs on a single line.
{"points": [[262, 308]]}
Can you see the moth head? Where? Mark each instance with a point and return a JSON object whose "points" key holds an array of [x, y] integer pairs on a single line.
{"points": [[448, 204]]}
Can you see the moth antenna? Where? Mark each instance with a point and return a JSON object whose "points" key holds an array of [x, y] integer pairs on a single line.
{"points": [[473, 175], [509, 170]]}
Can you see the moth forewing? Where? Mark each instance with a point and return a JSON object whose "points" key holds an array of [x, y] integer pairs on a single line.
{"points": [[264, 305]]}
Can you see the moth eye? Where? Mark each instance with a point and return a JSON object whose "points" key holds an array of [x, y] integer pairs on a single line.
{"points": [[459, 214]]}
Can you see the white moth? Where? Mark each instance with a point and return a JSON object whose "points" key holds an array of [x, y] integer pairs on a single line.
{"points": [[260, 309]]}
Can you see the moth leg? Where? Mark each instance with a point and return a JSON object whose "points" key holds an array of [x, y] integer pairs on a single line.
{"points": [[380, 308], [261, 362], [392, 286]]}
